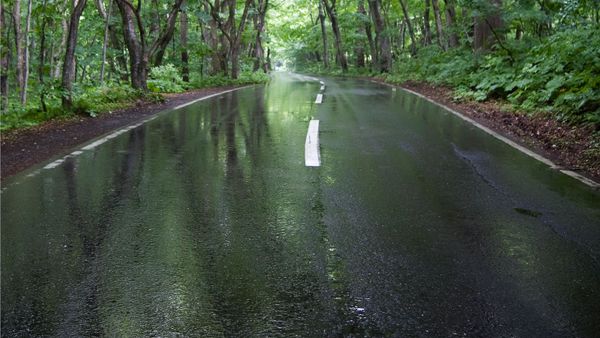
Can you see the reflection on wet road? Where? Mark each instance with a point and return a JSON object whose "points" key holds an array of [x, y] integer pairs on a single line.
{"points": [[205, 222]]}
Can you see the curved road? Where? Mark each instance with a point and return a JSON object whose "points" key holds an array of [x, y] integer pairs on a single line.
{"points": [[205, 222]]}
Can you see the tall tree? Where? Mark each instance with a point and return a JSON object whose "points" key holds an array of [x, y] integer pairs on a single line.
{"points": [[426, 25], [323, 35], [183, 39], [487, 25], [105, 40], [113, 38], [232, 32], [451, 23], [4, 59], [18, 45], [56, 57], [359, 50], [331, 9], [413, 45], [259, 23], [68, 74], [438, 23], [140, 52], [381, 37]]}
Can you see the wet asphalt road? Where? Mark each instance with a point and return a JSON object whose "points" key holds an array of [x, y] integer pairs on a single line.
{"points": [[205, 222]]}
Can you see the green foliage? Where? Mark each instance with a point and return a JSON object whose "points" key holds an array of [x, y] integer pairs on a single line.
{"points": [[561, 74], [95, 100], [165, 79], [222, 80], [86, 101]]}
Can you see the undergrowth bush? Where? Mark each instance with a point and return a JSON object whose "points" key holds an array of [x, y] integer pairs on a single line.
{"points": [[560, 75], [165, 79], [222, 80]]}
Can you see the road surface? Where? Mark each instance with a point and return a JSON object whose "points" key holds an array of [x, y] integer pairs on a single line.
{"points": [[206, 222]]}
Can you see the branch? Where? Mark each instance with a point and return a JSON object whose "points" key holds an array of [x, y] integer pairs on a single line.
{"points": [[510, 55]]}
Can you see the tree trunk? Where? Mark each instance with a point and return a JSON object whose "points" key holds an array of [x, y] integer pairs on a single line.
{"points": [[157, 50], [332, 13], [68, 74], [259, 62], [210, 36], [25, 61], [135, 39], [359, 51], [4, 58], [451, 24], [381, 38], [138, 60], [183, 37], [105, 41], [18, 45], [63, 42], [114, 41], [411, 33], [438, 23], [426, 25], [42, 55], [324, 36], [487, 26], [236, 35]]}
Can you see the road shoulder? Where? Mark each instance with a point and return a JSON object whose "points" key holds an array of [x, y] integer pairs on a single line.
{"points": [[571, 148], [23, 148]]}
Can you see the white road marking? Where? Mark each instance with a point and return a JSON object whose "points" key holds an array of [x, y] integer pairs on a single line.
{"points": [[511, 143], [312, 156], [54, 164], [321, 82], [95, 144], [322, 87], [319, 98], [124, 130], [208, 97]]}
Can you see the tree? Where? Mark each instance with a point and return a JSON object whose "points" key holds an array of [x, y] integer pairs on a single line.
{"points": [[230, 31], [68, 73], [140, 51], [259, 24], [426, 25], [381, 38], [4, 59], [438, 24], [451, 24], [413, 45], [183, 37], [323, 35], [487, 25], [330, 8]]}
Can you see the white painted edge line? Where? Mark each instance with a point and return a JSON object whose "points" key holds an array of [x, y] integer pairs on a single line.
{"points": [[511, 143], [319, 98], [114, 134], [312, 156], [209, 96]]}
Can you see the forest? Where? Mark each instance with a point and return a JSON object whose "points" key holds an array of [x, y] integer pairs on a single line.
{"points": [[67, 57]]}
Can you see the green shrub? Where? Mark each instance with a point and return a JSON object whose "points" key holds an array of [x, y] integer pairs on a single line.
{"points": [[165, 79], [248, 77], [560, 74]]}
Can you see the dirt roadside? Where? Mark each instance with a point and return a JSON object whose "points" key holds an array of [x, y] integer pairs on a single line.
{"points": [[572, 147], [22, 148]]}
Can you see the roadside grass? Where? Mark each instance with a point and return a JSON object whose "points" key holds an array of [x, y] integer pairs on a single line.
{"points": [[45, 104]]}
